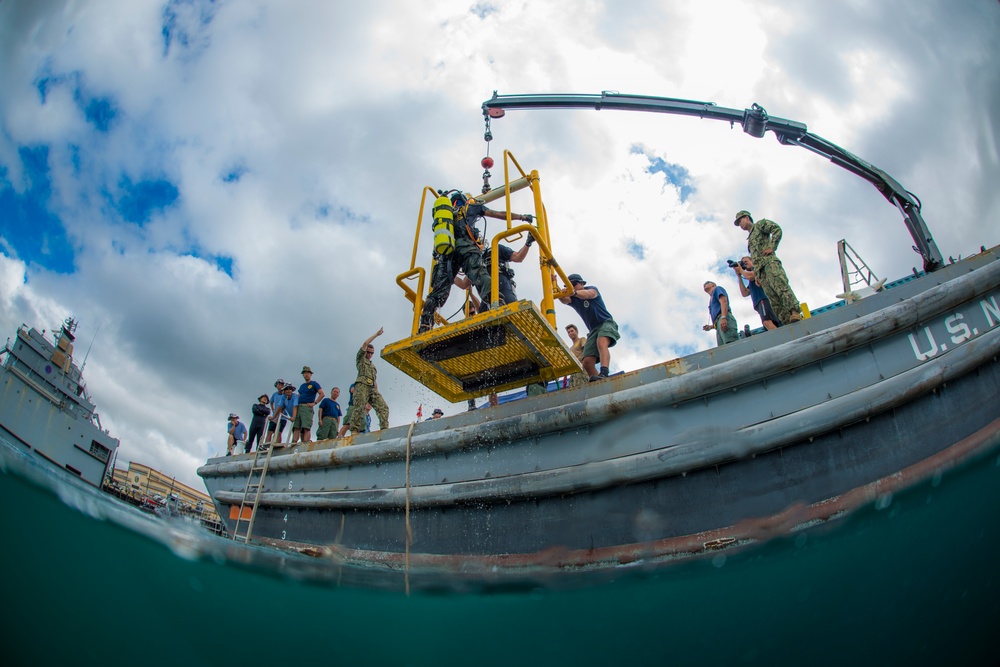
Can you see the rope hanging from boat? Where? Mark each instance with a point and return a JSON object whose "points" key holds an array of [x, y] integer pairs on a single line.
{"points": [[409, 529]]}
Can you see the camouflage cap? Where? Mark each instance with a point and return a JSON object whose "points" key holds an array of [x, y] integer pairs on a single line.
{"points": [[739, 215]]}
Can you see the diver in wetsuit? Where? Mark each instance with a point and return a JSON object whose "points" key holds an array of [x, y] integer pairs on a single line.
{"points": [[467, 257]]}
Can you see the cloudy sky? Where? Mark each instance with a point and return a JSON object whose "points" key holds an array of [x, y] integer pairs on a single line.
{"points": [[222, 192]]}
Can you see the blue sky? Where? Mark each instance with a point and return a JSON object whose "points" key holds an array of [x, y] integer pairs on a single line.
{"points": [[228, 189], [35, 232]]}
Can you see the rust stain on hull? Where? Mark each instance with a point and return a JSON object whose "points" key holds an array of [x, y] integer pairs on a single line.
{"points": [[670, 550]]}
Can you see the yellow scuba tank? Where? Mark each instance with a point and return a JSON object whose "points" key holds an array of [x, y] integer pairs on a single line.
{"points": [[444, 226]]}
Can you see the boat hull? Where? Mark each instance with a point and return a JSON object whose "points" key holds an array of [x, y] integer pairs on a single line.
{"points": [[717, 450]]}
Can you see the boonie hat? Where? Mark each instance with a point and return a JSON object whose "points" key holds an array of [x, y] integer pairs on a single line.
{"points": [[279, 383], [288, 386], [739, 215], [233, 415], [306, 369], [438, 411], [575, 278]]}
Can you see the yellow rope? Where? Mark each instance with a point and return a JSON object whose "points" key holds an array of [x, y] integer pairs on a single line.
{"points": [[409, 529]]}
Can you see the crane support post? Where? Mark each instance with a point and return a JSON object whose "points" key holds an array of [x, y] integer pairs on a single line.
{"points": [[497, 193]]}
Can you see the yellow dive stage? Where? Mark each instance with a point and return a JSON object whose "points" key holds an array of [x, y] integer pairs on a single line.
{"points": [[504, 348]]}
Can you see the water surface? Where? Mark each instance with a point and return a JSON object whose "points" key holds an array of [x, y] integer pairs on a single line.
{"points": [[910, 579]]}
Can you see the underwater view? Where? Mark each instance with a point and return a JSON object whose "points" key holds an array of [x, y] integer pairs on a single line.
{"points": [[910, 579]]}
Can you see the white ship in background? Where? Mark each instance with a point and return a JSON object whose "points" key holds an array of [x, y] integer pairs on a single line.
{"points": [[45, 406]]}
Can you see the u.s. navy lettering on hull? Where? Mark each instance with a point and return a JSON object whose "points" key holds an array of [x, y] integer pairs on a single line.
{"points": [[925, 345]]}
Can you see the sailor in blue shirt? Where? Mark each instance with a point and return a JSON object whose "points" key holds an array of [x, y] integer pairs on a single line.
{"points": [[273, 422], [286, 406], [722, 317], [329, 416], [310, 393], [237, 432]]}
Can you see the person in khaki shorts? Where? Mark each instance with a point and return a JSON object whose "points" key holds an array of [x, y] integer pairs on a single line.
{"points": [[329, 416], [723, 320], [310, 393], [602, 330]]}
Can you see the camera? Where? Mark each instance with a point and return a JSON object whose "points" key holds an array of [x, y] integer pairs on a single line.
{"points": [[733, 264]]}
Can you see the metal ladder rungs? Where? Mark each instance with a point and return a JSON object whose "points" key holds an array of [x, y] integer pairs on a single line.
{"points": [[253, 488]]}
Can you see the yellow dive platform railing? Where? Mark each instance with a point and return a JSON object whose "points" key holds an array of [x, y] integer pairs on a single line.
{"points": [[503, 348]]}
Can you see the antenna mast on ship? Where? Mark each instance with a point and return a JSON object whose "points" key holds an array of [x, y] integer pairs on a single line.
{"points": [[84, 364]]}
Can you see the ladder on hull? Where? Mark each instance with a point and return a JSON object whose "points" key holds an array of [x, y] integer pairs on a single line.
{"points": [[251, 494]]}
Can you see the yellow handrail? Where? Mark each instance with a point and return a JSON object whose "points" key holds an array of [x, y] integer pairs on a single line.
{"points": [[547, 265], [415, 297], [420, 216]]}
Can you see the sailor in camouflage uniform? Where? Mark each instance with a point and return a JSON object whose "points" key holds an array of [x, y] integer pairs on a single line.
{"points": [[366, 392], [762, 242]]}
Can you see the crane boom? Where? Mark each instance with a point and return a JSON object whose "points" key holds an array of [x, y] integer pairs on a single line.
{"points": [[755, 121]]}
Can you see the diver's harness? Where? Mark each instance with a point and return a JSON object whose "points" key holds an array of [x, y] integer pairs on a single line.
{"points": [[464, 217], [451, 218], [452, 215], [503, 267]]}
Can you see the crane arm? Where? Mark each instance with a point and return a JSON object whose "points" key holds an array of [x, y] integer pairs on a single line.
{"points": [[756, 122]]}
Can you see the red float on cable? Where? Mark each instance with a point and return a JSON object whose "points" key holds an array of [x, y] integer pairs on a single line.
{"points": [[487, 162]]}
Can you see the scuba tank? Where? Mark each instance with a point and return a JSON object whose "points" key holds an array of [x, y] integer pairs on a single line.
{"points": [[443, 226]]}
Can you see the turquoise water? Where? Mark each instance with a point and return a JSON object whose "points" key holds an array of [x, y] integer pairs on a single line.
{"points": [[911, 579]]}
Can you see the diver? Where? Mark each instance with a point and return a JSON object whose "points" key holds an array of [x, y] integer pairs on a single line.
{"points": [[465, 254]]}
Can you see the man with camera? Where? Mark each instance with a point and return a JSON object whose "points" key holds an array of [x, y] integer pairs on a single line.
{"points": [[744, 269]]}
